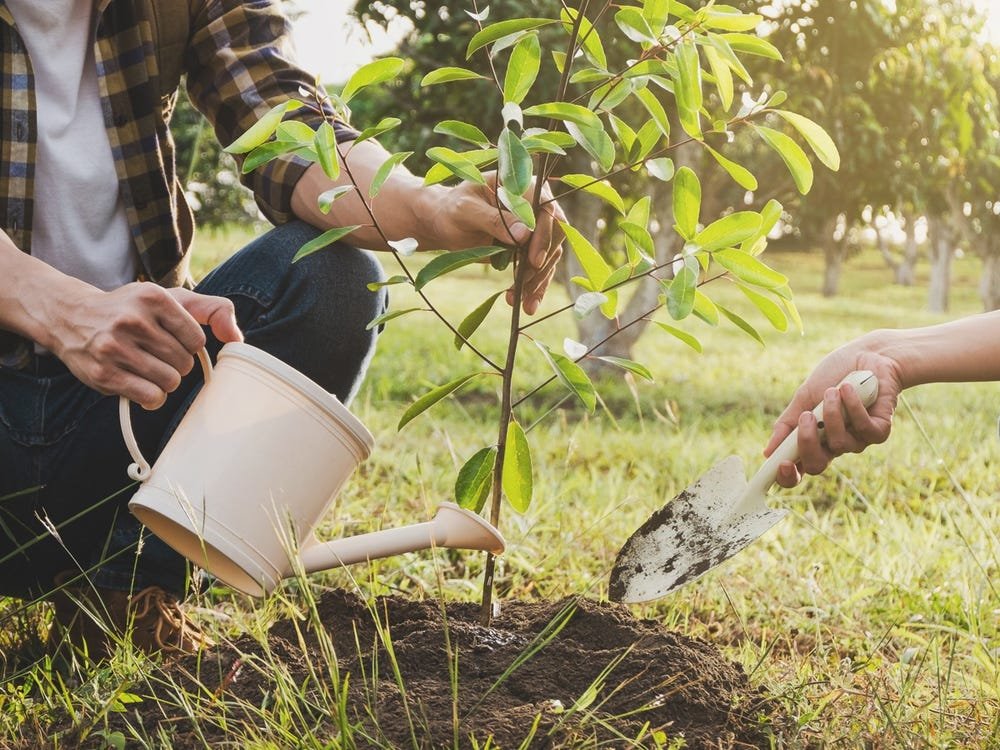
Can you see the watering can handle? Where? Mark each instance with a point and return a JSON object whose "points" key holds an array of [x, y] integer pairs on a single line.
{"points": [[866, 384], [141, 469]]}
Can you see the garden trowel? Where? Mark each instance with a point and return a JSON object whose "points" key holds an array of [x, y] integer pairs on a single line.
{"points": [[710, 521]]}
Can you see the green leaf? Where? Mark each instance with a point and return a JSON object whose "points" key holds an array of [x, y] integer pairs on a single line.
{"points": [[721, 46], [449, 74], [639, 237], [817, 138], [385, 169], [680, 335], [595, 142], [722, 74], [514, 163], [793, 314], [680, 293], [475, 478], [327, 238], [517, 205], [458, 164], [687, 202], [371, 74], [769, 307], [594, 265], [661, 169], [731, 20], [325, 144], [391, 281], [385, 317], [439, 172], [749, 269], [499, 30], [740, 174], [792, 154], [475, 319], [294, 130], [740, 323], [688, 90], [522, 70], [656, 13], [728, 231], [592, 46], [327, 198], [452, 261], [655, 109], [622, 131], [383, 126], [566, 112], [705, 309], [430, 398], [635, 26], [601, 189], [463, 131], [267, 152], [627, 364], [646, 139], [516, 474], [752, 45], [261, 130], [572, 376]]}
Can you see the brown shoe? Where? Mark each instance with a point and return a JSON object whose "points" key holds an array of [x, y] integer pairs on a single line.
{"points": [[92, 619]]}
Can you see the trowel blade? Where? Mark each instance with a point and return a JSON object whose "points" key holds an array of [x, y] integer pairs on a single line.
{"points": [[690, 535]]}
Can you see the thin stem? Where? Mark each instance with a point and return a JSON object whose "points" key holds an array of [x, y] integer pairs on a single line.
{"points": [[377, 227], [506, 407]]}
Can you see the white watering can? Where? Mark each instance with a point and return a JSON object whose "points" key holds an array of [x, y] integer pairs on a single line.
{"points": [[254, 465]]}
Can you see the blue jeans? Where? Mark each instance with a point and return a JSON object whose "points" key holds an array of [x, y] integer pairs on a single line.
{"points": [[63, 487]]}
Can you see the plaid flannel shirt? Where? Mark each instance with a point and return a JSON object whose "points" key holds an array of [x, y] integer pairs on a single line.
{"points": [[237, 57]]}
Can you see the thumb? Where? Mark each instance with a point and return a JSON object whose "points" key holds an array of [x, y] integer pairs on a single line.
{"points": [[217, 313]]}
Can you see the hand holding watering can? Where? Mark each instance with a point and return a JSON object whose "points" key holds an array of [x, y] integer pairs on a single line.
{"points": [[252, 468]]}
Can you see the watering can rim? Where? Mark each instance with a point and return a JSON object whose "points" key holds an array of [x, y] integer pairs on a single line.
{"points": [[291, 377]]}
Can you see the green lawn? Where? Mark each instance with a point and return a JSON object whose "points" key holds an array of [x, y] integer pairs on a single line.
{"points": [[871, 612]]}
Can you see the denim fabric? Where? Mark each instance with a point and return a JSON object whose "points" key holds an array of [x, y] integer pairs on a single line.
{"points": [[63, 487]]}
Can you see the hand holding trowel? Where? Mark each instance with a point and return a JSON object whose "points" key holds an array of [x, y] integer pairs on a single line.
{"points": [[710, 521]]}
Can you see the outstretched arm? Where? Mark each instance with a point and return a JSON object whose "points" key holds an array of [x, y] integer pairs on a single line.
{"points": [[438, 217], [963, 350]]}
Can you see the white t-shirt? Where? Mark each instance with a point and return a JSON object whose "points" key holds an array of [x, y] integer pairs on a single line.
{"points": [[79, 224]]}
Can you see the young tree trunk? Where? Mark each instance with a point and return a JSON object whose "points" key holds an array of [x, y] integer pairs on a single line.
{"points": [[906, 271], [834, 252], [941, 242], [882, 241]]}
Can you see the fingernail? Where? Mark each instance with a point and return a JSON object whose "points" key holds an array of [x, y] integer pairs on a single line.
{"points": [[520, 232]]}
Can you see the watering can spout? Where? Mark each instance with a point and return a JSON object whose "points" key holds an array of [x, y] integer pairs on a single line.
{"points": [[451, 527]]}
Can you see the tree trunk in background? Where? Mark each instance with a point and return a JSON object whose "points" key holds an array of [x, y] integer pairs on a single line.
{"points": [[834, 252], [906, 272], [989, 284], [942, 251], [584, 212], [882, 241]]}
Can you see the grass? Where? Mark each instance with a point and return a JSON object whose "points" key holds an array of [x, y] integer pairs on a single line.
{"points": [[872, 611]]}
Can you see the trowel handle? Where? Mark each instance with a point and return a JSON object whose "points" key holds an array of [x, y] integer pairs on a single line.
{"points": [[864, 382]]}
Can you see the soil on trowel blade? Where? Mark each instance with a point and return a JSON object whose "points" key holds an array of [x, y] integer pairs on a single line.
{"points": [[574, 673]]}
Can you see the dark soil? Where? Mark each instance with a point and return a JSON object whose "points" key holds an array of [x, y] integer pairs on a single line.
{"points": [[603, 678]]}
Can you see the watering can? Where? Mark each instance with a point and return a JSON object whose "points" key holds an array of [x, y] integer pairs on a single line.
{"points": [[255, 464]]}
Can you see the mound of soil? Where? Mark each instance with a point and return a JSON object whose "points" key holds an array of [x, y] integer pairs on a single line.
{"points": [[569, 673]]}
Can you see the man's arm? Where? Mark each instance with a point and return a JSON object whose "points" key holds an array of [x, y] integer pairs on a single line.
{"points": [[438, 217], [135, 341], [963, 350]]}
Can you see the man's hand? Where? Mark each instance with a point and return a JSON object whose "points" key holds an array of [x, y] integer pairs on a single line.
{"points": [[848, 426], [468, 216], [138, 341]]}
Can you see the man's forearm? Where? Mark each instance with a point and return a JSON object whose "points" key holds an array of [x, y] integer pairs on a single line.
{"points": [[403, 207], [29, 290], [962, 350]]}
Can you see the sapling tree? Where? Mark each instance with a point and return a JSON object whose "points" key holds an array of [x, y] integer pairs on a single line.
{"points": [[675, 54]]}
